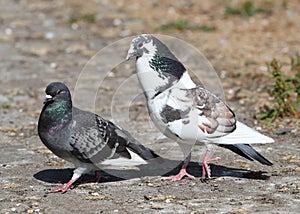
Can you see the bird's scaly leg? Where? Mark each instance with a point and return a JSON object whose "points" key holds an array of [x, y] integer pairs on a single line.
{"points": [[64, 187], [182, 171], [97, 178], [206, 160]]}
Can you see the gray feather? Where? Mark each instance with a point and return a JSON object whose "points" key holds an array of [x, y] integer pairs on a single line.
{"points": [[83, 135], [246, 151]]}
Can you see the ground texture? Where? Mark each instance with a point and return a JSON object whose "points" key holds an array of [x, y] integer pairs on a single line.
{"points": [[44, 41]]}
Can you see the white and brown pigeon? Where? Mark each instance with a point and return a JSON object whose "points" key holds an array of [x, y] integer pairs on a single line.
{"points": [[188, 113], [81, 137]]}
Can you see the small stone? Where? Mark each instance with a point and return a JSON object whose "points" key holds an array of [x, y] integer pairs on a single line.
{"points": [[283, 131], [258, 128], [223, 41], [3, 99], [49, 35], [8, 31], [96, 197], [263, 68], [74, 26], [53, 65], [95, 194], [223, 74], [111, 74], [156, 207], [117, 22]]}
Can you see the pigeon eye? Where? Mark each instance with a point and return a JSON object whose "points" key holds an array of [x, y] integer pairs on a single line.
{"points": [[59, 92], [140, 45]]}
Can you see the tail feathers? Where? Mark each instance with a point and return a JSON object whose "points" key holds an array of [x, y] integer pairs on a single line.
{"points": [[243, 134], [142, 151], [246, 151], [136, 146]]}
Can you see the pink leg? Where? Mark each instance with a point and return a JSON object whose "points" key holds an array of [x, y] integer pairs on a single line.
{"points": [[205, 168], [182, 171], [69, 185], [64, 187], [97, 178]]}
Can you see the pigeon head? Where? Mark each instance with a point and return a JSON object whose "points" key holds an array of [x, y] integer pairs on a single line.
{"points": [[156, 66], [148, 45], [57, 91], [57, 109], [141, 45]]}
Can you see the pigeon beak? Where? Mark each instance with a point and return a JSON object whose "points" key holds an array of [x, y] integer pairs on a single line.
{"points": [[131, 53], [48, 98]]}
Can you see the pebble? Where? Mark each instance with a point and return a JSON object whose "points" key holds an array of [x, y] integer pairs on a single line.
{"points": [[258, 128], [8, 31], [74, 26], [223, 41], [117, 22], [223, 74], [95, 194], [283, 131], [263, 68], [53, 65], [3, 99], [49, 35]]}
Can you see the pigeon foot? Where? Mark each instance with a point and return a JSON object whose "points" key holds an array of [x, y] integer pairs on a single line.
{"points": [[97, 178], [206, 169], [64, 187], [179, 176]]}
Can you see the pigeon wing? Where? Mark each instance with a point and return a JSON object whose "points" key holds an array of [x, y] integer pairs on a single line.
{"points": [[94, 139], [216, 119]]}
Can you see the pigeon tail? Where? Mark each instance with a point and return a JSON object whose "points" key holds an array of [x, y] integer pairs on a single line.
{"points": [[242, 133], [135, 146], [246, 151], [142, 151]]}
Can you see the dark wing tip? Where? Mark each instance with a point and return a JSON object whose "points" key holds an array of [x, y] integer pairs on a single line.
{"points": [[246, 151]]}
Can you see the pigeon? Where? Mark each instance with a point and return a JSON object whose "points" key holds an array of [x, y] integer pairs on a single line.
{"points": [[186, 112], [81, 137]]}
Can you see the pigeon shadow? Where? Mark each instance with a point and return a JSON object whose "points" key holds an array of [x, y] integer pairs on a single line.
{"points": [[217, 171], [116, 174], [64, 175]]}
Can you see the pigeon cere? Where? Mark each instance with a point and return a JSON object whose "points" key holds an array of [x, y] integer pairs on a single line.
{"points": [[150, 106]]}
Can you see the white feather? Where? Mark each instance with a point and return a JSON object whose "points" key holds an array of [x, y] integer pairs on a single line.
{"points": [[242, 135], [121, 161]]}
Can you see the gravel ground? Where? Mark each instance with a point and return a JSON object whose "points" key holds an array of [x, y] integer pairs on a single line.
{"points": [[44, 41]]}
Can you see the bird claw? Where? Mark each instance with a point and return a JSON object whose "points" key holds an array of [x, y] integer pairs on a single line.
{"points": [[206, 172], [64, 187], [97, 178], [179, 176]]}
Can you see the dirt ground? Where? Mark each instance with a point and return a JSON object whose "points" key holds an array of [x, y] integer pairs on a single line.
{"points": [[45, 41]]}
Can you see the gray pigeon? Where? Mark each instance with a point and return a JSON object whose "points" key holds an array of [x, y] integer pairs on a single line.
{"points": [[188, 113], [82, 137]]}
